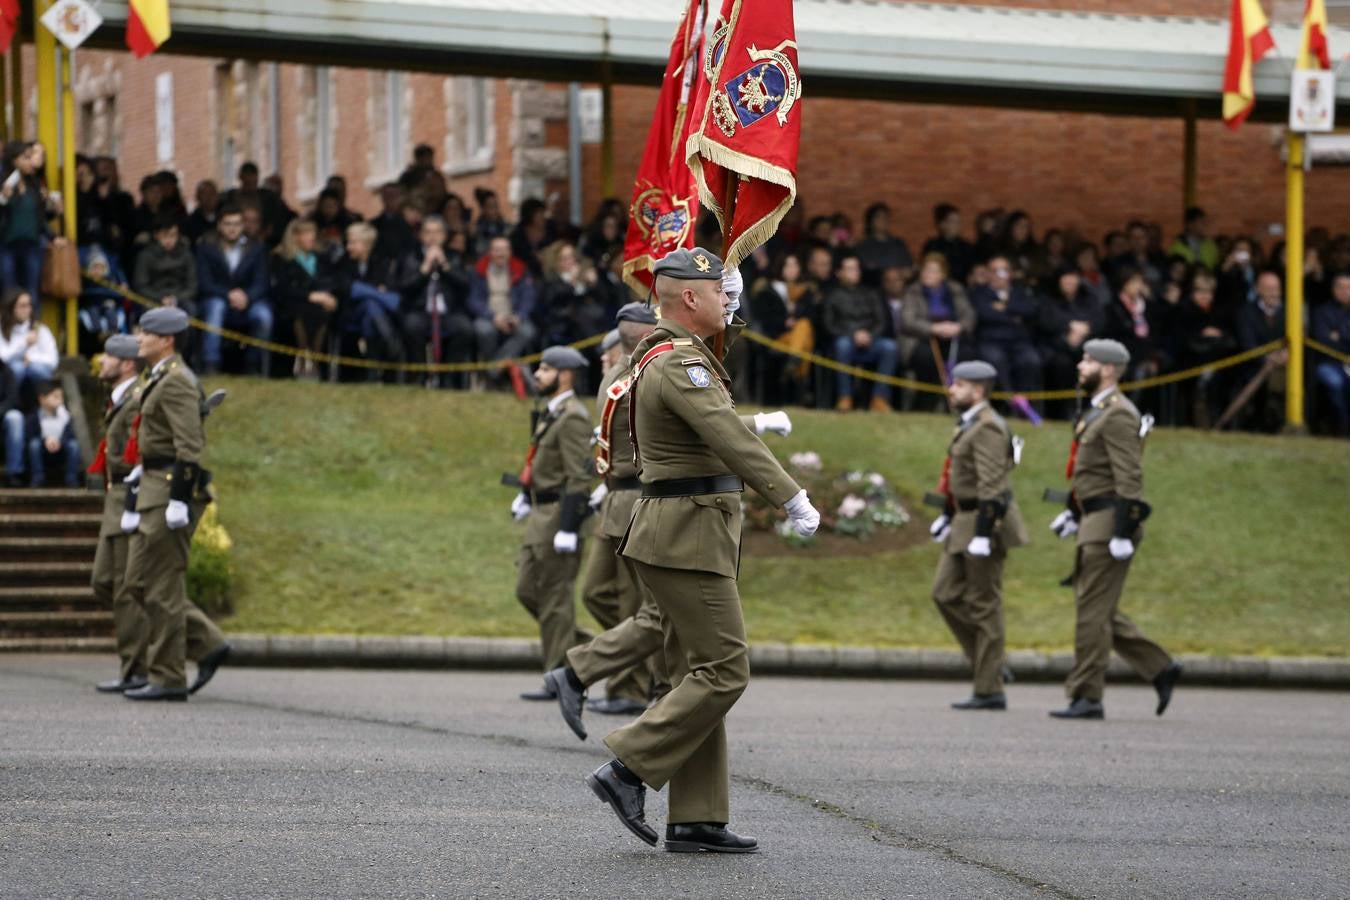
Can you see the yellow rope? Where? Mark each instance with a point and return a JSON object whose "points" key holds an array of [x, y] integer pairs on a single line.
{"points": [[1323, 348]]}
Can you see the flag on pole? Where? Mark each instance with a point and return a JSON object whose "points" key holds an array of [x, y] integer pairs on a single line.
{"points": [[1248, 41], [147, 26], [744, 150], [1313, 46], [665, 200], [9, 23]]}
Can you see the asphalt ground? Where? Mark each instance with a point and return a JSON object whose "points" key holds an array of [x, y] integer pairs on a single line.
{"points": [[298, 783]]}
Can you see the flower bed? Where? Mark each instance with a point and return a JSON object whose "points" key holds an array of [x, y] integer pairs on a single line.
{"points": [[854, 504]]}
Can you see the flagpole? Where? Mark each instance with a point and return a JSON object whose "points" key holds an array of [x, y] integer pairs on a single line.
{"points": [[1293, 282], [728, 216]]}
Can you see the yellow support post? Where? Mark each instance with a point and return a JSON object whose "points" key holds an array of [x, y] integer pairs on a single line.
{"points": [[69, 190], [16, 122], [1293, 283]]}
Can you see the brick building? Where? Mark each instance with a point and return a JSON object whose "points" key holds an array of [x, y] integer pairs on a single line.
{"points": [[202, 117]]}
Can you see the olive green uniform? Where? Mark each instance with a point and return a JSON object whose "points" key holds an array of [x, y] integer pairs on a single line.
{"points": [[1108, 467], [110, 559], [968, 589], [628, 652], [687, 554], [171, 441], [545, 579]]}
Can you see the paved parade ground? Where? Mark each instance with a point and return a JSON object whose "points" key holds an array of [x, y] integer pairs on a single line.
{"points": [[377, 783]]}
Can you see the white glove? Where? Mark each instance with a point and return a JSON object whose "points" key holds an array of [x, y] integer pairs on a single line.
{"points": [[941, 527], [979, 546], [598, 496], [177, 515], [802, 516], [732, 286], [520, 507], [777, 422], [1065, 524], [133, 477], [565, 542], [1121, 548], [130, 521]]}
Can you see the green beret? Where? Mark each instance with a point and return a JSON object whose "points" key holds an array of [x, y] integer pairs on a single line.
{"points": [[122, 346], [688, 265], [560, 357], [165, 321], [636, 312], [974, 370], [1104, 350]]}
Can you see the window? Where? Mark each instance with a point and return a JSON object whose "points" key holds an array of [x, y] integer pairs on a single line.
{"points": [[469, 118], [314, 129], [388, 126]]}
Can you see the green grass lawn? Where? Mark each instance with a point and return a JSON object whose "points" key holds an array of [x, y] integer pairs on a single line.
{"points": [[378, 510]]}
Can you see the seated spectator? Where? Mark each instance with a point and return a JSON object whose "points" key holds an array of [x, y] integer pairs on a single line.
{"points": [[937, 313], [571, 305], [1053, 257], [1094, 281], [988, 233], [27, 347], [1194, 244], [604, 238], [394, 237], [532, 234], [1331, 326], [332, 221], [784, 306], [279, 214], [1017, 244], [1133, 320], [502, 299], [880, 249], [367, 287], [166, 270], [456, 216], [437, 322], [893, 303], [232, 285], [1006, 314], [51, 438], [302, 283], [1138, 258], [1069, 315], [202, 221], [854, 321], [1260, 323], [12, 421], [102, 309], [489, 223], [1206, 336], [956, 250]]}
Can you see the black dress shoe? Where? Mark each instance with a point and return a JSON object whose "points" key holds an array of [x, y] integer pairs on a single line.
{"points": [[1081, 708], [544, 693], [983, 701], [1163, 684], [206, 669], [570, 697], [155, 692], [699, 836], [614, 785], [119, 686], [617, 706]]}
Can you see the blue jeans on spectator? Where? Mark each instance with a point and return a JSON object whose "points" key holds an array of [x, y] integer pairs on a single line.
{"points": [[1018, 364], [880, 355], [69, 455], [30, 371], [256, 322], [13, 425], [21, 266], [1332, 376]]}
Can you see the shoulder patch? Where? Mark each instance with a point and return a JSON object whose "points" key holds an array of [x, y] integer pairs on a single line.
{"points": [[700, 376]]}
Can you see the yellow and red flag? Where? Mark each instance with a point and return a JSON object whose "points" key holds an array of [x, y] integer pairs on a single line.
{"points": [[9, 23], [1313, 47], [1248, 41], [665, 199], [147, 26], [744, 151]]}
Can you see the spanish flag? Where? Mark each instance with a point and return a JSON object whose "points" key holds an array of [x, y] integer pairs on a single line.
{"points": [[147, 26], [9, 23], [1313, 46], [1249, 40]]}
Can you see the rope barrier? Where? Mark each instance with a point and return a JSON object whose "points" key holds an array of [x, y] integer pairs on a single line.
{"points": [[1327, 351]]}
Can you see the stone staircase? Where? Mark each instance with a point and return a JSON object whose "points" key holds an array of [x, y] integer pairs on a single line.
{"points": [[47, 544]]}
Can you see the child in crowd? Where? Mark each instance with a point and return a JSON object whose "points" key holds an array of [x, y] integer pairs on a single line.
{"points": [[51, 438]]}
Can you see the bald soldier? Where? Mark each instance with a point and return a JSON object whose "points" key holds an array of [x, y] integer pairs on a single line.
{"points": [[981, 523], [555, 486], [168, 493], [694, 456], [1106, 511]]}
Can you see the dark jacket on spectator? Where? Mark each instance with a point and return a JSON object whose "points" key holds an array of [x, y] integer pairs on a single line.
{"points": [[770, 310], [164, 273], [1195, 347], [848, 309], [394, 236], [1255, 328], [959, 253], [352, 282], [1057, 312], [1119, 326], [522, 290], [200, 224], [452, 282], [33, 427], [1004, 322], [214, 278], [566, 312], [877, 254], [1331, 326], [917, 315], [291, 286]]}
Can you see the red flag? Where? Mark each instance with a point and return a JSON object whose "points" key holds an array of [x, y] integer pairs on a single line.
{"points": [[744, 152], [9, 23], [1248, 41], [665, 200]]}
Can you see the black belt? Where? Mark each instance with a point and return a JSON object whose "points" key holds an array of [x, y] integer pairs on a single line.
{"points": [[151, 463], [691, 487], [967, 505], [1097, 504], [625, 484], [538, 497]]}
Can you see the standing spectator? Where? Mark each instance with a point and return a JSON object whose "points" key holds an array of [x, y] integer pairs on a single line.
{"points": [[1237, 276], [1090, 272], [1017, 244], [1006, 313], [603, 238], [27, 346], [436, 319], [166, 271], [956, 250], [1138, 258], [532, 233], [1331, 326], [1069, 315], [302, 290], [935, 308], [489, 223], [202, 221], [1194, 243], [254, 229], [145, 215], [394, 236], [331, 220], [116, 206], [785, 306], [456, 216], [89, 225], [1132, 320], [250, 191], [1206, 336], [1053, 256], [281, 215], [232, 284], [1260, 323], [367, 290], [502, 298], [988, 234], [51, 438], [12, 421], [880, 249], [854, 321], [570, 305], [23, 220], [423, 161]]}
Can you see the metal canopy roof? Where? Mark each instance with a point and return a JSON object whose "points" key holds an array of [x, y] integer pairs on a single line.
{"points": [[922, 52]]}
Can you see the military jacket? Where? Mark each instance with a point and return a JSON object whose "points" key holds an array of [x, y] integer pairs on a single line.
{"points": [[1109, 463], [617, 507], [171, 427], [562, 464], [982, 464], [687, 427], [117, 431]]}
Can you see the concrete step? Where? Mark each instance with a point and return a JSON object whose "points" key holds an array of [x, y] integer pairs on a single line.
{"points": [[65, 623], [57, 645], [47, 548], [24, 600], [54, 524], [46, 574], [49, 500]]}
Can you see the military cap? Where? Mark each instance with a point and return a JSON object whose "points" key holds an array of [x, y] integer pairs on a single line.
{"points": [[689, 265], [1104, 350], [560, 357], [636, 312], [122, 346], [974, 370], [165, 321], [609, 340]]}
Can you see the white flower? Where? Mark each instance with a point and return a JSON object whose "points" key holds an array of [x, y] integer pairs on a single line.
{"points": [[851, 507], [806, 462], [876, 479]]}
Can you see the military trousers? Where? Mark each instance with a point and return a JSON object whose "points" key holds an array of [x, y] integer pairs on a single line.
{"points": [[110, 569], [635, 645], [1100, 626], [544, 584], [611, 594], [175, 629], [681, 739], [968, 591]]}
